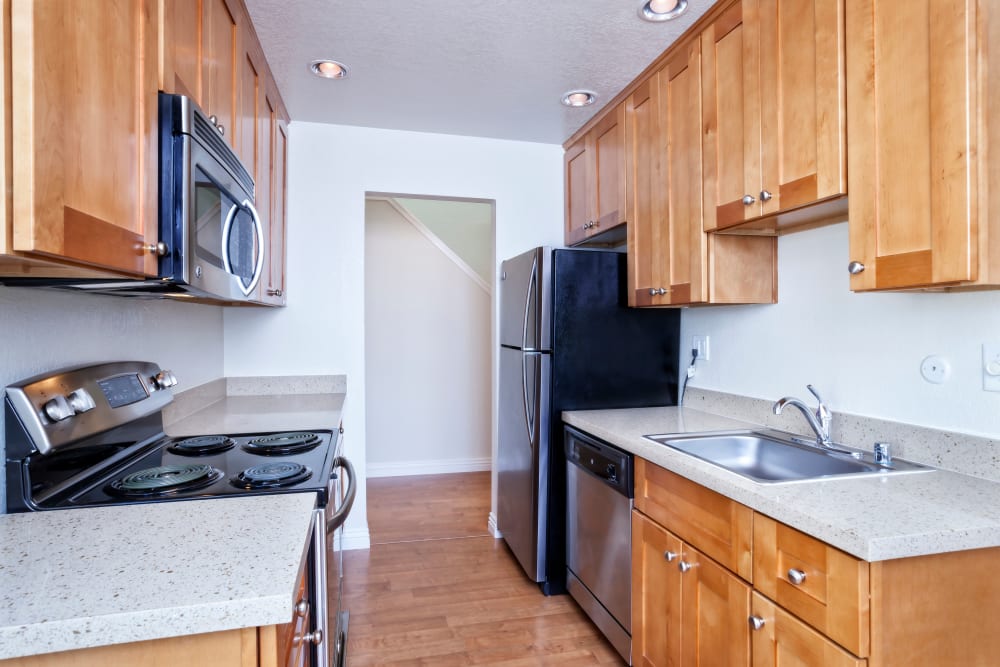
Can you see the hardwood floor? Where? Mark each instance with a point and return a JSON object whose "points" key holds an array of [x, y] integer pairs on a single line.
{"points": [[436, 589]]}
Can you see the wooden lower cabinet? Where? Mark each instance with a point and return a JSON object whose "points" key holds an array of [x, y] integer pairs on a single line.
{"points": [[782, 639], [687, 609]]}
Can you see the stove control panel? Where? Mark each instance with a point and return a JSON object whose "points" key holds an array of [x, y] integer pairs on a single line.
{"points": [[66, 406]]}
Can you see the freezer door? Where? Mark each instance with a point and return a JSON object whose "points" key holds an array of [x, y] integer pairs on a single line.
{"points": [[525, 301], [522, 458]]}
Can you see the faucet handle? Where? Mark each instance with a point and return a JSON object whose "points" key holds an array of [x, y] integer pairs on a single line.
{"points": [[814, 392]]}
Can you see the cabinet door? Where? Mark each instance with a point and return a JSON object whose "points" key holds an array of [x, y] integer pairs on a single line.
{"points": [[648, 232], [912, 94], [219, 40], [249, 79], [274, 293], [687, 244], [803, 123], [84, 131], [731, 116], [608, 170], [182, 49], [715, 606], [656, 595], [784, 640], [578, 213]]}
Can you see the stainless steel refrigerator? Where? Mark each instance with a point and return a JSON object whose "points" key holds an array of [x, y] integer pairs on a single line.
{"points": [[568, 341]]}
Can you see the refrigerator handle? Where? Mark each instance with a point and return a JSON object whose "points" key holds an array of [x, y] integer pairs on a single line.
{"points": [[529, 418], [532, 285]]}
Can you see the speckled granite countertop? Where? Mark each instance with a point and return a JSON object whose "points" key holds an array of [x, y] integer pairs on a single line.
{"points": [[259, 404], [79, 578], [872, 517]]}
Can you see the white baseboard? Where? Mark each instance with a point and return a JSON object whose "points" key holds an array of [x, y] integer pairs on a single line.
{"points": [[356, 539], [402, 468], [491, 523]]}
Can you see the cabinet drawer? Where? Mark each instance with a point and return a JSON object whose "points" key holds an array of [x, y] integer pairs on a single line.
{"points": [[715, 525], [784, 640], [832, 593]]}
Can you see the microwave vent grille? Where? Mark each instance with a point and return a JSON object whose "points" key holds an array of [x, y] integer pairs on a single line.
{"points": [[205, 133]]}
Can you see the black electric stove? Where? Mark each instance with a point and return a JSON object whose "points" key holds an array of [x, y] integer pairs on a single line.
{"points": [[94, 436]]}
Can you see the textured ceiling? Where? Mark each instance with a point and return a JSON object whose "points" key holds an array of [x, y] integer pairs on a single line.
{"points": [[489, 69]]}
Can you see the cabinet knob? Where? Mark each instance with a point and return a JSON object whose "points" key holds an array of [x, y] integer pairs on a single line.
{"points": [[662, 291], [854, 268], [765, 195], [214, 120], [670, 556], [756, 622], [159, 249], [302, 608], [748, 200], [796, 576], [274, 292], [684, 566], [221, 129], [315, 637]]}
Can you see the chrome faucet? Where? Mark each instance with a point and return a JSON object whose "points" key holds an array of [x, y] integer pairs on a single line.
{"points": [[820, 422]]}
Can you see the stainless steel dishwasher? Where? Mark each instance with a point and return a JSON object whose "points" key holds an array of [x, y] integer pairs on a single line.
{"points": [[599, 496]]}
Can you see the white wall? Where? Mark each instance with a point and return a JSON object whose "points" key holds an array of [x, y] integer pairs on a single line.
{"points": [[331, 168], [43, 330], [460, 225], [427, 352], [862, 351]]}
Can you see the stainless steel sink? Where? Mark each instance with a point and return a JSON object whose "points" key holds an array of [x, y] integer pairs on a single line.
{"points": [[771, 457]]}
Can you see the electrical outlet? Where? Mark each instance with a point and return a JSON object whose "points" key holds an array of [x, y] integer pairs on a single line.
{"points": [[700, 343], [991, 366]]}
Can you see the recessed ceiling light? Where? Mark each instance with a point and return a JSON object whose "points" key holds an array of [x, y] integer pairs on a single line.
{"points": [[579, 98], [328, 69], [662, 10]]}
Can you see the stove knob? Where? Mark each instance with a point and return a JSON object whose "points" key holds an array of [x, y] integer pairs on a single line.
{"points": [[81, 401], [164, 380], [58, 408]]}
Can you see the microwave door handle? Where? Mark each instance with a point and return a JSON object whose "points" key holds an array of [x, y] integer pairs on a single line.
{"points": [[258, 230], [352, 487]]}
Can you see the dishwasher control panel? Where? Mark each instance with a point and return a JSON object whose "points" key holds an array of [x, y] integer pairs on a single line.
{"points": [[603, 461]]}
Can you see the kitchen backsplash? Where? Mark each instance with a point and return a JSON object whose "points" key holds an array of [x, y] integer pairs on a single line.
{"points": [[967, 454]]}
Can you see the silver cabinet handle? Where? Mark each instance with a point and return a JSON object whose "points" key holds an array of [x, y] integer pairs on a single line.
{"points": [[221, 129], [683, 566], [748, 200], [756, 622], [214, 120], [274, 292], [796, 576], [670, 556], [662, 291], [302, 608], [765, 195], [854, 268], [652, 291]]}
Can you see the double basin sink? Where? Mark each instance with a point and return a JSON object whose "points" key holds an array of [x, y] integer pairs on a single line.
{"points": [[769, 457]]}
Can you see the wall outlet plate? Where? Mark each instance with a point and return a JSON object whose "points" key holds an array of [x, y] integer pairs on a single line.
{"points": [[935, 369], [700, 343], [991, 366]]}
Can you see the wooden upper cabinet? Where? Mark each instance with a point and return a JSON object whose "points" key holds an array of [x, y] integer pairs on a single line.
{"points": [[802, 95], [913, 80], [249, 84], [731, 120], [181, 51], [220, 34], [645, 202], [774, 112], [595, 179], [84, 132], [274, 291]]}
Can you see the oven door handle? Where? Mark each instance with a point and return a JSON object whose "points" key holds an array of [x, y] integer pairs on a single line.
{"points": [[337, 520]]}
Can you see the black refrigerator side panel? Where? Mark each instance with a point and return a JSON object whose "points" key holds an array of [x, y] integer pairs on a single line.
{"points": [[604, 355]]}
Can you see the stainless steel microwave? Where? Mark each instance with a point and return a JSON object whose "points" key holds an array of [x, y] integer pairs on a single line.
{"points": [[211, 239]]}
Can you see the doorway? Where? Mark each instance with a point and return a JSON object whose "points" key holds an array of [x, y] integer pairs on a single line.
{"points": [[429, 272]]}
